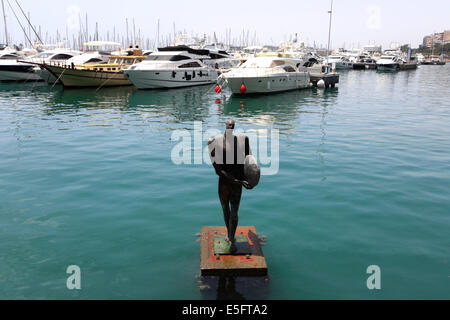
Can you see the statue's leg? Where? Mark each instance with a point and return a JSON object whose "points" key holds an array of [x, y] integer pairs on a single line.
{"points": [[235, 199], [224, 196]]}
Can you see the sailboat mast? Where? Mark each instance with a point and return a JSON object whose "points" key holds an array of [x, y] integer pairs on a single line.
{"points": [[157, 37], [128, 41], [329, 31], [4, 19], [134, 34]]}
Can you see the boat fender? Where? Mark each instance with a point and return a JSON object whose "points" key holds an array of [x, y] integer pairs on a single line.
{"points": [[321, 83]]}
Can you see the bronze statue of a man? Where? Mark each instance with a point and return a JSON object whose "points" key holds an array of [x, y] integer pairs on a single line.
{"points": [[228, 154]]}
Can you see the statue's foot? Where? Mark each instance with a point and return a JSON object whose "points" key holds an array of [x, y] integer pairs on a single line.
{"points": [[233, 248]]}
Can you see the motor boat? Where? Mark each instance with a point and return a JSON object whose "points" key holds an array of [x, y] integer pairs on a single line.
{"points": [[388, 63], [339, 63], [15, 66], [365, 63], [173, 67], [395, 63], [266, 74], [434, 62], [13, 70]]}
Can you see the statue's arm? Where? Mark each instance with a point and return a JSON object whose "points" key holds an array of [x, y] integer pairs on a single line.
{"points": [[222, 173]]}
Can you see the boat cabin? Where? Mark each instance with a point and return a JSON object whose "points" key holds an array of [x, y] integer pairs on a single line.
{"points": [[115, 64], [287, 65]]}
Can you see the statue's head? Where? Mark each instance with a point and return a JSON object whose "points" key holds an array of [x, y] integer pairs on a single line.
{"points": [[230, 124]]}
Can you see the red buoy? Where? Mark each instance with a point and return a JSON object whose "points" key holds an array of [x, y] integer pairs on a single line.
{"points": [[243, 88], [218, 89]]}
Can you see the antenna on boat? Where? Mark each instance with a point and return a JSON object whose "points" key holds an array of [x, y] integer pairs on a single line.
{"points": [[6, 28], [329, 33], [134, 34], [174, 34], [87, 28], [128, 41]]}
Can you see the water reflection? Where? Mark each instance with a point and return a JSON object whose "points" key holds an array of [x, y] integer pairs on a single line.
{"points": [[282, 110], [180, 105], [234, 288]]}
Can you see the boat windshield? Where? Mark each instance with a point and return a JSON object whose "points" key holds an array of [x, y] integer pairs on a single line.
{"points": [[166, 58], [262, 63]]}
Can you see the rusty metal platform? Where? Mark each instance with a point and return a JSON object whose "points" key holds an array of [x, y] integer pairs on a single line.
{"points": [[216, 260]]}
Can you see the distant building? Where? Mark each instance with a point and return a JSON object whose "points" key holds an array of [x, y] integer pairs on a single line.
{"points": [[440, 37], [373, 48], [446, 36]]}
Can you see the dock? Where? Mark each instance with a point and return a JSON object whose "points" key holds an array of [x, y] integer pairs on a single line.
{"points": [[408, 66], [364, 66], [216, 259], [330, 79]]}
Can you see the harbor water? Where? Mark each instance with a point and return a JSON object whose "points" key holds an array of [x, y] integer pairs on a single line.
{"points": [[86, 179]]}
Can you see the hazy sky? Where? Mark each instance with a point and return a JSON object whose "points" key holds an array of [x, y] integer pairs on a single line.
{"points": [[354, 22]]}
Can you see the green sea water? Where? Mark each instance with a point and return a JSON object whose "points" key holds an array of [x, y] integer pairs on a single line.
{"points": [[86, 179]]}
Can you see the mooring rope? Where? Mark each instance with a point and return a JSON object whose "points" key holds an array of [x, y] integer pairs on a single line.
{"points": [[59, 78]]}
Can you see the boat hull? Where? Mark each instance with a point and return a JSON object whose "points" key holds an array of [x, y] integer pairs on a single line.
{"points": [[19, 72], [160, 79], [87, 78], [364, 66], [434, 63], [408, 66], [269, 84], [388, 67]]}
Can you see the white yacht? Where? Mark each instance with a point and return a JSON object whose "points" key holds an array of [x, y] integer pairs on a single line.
{"points": [[12, 70], [173, 68], [396, 63], [15, 66], [339, 63], [54, 57], [388, 63], [266, 75]]}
